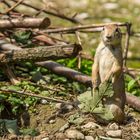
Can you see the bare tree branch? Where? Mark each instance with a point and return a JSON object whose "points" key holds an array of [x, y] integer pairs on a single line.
{"points": [[81, 27], [24, 23], [14, 6], [33, 95], [50, 12]]}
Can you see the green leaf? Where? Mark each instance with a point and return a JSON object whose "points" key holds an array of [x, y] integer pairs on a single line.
{"points": [[9, 125], [1, 107], [14, 87], [75, 119], [2, 97], [22, 36], [131, 84], [29, 131]]}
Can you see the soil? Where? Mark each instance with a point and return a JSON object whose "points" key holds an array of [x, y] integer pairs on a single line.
{"points": [[44, 120]]}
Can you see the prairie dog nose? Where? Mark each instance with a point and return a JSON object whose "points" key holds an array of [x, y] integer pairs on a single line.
{"points": [[108, 36]]}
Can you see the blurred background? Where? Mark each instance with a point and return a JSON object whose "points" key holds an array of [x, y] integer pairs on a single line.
{"points": [[90, 12]]}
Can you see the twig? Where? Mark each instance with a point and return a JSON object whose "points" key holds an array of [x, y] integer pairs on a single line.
{"points": [[81, 27], [79, 56], [87, 56], [50, 12], [128, 27], [33, 95], [44, 87], [14, 6]]}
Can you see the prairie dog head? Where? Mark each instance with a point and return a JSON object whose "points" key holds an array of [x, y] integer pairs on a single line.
{"points": [[111, 35]]}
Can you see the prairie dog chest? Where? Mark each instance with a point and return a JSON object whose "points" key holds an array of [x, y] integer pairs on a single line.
{"points": [[108, 57]]}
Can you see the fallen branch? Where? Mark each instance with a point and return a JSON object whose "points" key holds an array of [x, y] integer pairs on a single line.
{"points": [[81, 27], [82, 78], [133, 101], [49, 12], [33, 95], [24, 23], [40, 53], [66, 72]]}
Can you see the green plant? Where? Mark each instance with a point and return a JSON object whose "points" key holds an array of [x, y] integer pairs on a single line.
{"points": [[132, 86]]}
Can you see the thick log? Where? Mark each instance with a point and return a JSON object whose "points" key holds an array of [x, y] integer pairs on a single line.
{"points": [[41, 53], [82, 78], [133, 101], [66, 72], [24, 23]]}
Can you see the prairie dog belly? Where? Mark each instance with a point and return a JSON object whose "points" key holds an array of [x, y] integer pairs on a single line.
{"points": [[106, 61]]}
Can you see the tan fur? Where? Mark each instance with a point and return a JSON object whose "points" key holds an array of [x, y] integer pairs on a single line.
{"points": [[108, 62]]}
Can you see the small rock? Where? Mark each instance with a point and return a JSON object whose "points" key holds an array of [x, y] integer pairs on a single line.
{"points": [[89, 138], [58, 105], [111, 6], [47, 138], [69, 107], [91, 125], [113, 126], [12, 137], [43, 101], [74, 134], [114, 133], [52, 121], [82, 16], [64, 127], [27, 137], [60, 136]]}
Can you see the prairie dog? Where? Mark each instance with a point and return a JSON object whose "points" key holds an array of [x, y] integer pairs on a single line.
{"points": [[108, 61]]}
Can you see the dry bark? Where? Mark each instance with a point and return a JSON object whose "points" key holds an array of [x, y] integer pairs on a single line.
{"points": [[133, 101], [82, 78], [24, 23], [40, 53]]}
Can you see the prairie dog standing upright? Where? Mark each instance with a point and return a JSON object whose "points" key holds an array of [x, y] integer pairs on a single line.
{"points": [[108, 61]]}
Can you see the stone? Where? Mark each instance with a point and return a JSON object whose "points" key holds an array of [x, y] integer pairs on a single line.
{"points": [[89, 138], [91, 125], [114, 133], [60, 136], [111, 6], [47, 138], [113, 126], [58, 105], [74, 134], [43, 101], [12, 137], [64, 127], [52, 121], [27, 137]]}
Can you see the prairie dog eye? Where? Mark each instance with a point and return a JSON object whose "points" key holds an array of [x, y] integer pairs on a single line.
{"points": [[117, 30]]}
